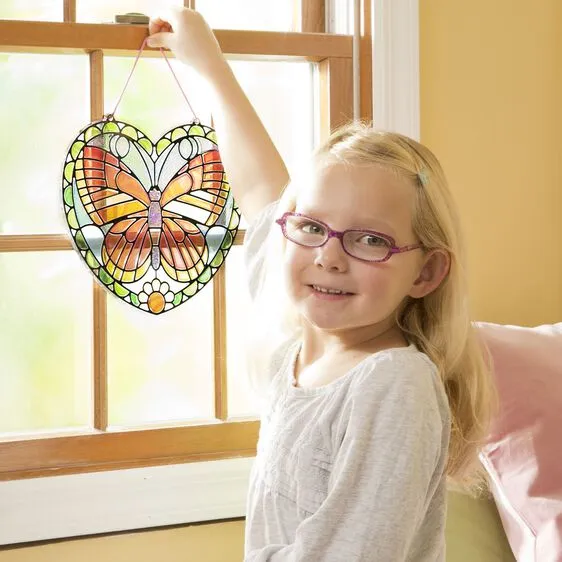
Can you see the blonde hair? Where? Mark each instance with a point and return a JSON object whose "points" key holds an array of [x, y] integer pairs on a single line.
{"points": [[438, 324]]}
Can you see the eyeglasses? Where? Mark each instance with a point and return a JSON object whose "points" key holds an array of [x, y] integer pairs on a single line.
{"points": [[365, 245]]}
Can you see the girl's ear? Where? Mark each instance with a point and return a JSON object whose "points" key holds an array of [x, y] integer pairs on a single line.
{"points": [[435, 268]]}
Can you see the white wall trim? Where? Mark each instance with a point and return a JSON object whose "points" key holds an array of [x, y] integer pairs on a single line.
{"points": [[396, 91], [84, 504], [103, 502]]}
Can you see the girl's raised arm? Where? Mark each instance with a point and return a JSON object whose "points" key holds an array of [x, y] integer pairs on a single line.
{"points": [[256, 171]]}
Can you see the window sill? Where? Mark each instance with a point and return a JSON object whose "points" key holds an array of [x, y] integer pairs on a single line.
{"points": [[55, 507]]}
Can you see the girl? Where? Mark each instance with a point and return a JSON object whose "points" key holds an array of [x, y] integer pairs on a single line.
{"points": [[381, 391]]}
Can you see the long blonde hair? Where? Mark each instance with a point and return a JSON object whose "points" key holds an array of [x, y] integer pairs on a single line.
{"points": [[438, 324]]}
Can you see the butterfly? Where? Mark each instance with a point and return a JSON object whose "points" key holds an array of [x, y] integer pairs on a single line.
{"points": [[138, 206], [145, 230]]}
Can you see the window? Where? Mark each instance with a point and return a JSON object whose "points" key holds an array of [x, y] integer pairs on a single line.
{"points": [[78, 366], [81, 388]]}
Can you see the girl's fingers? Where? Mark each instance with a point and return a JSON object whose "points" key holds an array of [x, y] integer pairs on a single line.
{"points": [[161, 31], [158, 25]]}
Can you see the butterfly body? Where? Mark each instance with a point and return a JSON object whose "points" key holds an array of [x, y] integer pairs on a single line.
{"points": [[155, 224]]}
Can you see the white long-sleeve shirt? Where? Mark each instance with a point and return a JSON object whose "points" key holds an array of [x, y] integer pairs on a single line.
{"points": [[353, 471]]}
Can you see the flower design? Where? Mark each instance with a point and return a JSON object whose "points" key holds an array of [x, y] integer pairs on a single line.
{"points": [[155, 295]]}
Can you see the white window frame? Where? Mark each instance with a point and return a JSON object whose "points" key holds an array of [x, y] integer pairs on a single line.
{"points": [[85, 504]]}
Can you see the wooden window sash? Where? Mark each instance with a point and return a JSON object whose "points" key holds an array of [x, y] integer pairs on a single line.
{"points": [[99, 449], [96, 451], [336, 94], [99, 296], [112, 39], [69, 11], [366, 61], [219, 345], [310, 15]]}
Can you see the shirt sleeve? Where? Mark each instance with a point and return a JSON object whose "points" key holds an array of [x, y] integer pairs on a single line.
{"points": [[255, 247], [383, 477]]}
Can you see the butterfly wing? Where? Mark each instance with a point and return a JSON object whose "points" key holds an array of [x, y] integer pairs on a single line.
{"points": [[183, 249], [195, 196], [111, 193], [200, 184], [127, 248], [107, 188]]}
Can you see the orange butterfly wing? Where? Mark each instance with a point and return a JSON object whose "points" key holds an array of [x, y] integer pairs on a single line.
{"points": [[198, 189], [127, 248], [111, 193], [107, 188], [183, 249]]}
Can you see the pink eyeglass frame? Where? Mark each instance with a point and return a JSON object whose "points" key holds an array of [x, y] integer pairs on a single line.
{"points": [[393, 248]]}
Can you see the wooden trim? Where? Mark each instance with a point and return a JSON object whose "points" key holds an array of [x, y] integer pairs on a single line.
{"points": [[69, 11], [312, 16], [366, 62], [239, 238], [56, 37], [53, 456], [220, 357], [99, 357], [96, 85], [336, 94], [34, 242]]}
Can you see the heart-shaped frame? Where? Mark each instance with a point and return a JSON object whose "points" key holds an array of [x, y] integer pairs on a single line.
{"points": [[152, 221]]}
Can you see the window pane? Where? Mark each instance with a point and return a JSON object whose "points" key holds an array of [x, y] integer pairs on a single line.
{"points": [[160, 368], [283, 96], [241, 400], [43, 106], [288, 85], [45, 10], [105, 11], [153, 101], [45, 341], [248, 14], [340, 17]]}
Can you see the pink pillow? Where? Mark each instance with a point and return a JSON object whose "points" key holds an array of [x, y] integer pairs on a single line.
{"points": [[523, 455]]}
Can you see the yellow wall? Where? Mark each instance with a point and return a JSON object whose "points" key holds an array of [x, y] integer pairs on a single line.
{"points": [[491, 110]]}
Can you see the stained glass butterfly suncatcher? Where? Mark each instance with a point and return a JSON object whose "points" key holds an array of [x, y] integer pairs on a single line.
{"points": [[153, 221]]}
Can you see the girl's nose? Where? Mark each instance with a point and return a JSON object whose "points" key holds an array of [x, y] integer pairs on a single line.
{"points": [[331, 256]]}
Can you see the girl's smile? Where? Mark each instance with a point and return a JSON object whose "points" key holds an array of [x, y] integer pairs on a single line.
{"points": [[328, 294]]}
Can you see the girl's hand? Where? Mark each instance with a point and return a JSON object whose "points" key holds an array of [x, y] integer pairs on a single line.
{"points": [[256, 171], [187, 35]]}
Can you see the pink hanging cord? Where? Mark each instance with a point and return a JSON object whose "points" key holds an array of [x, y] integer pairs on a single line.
{"points": [[112, 114]]}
